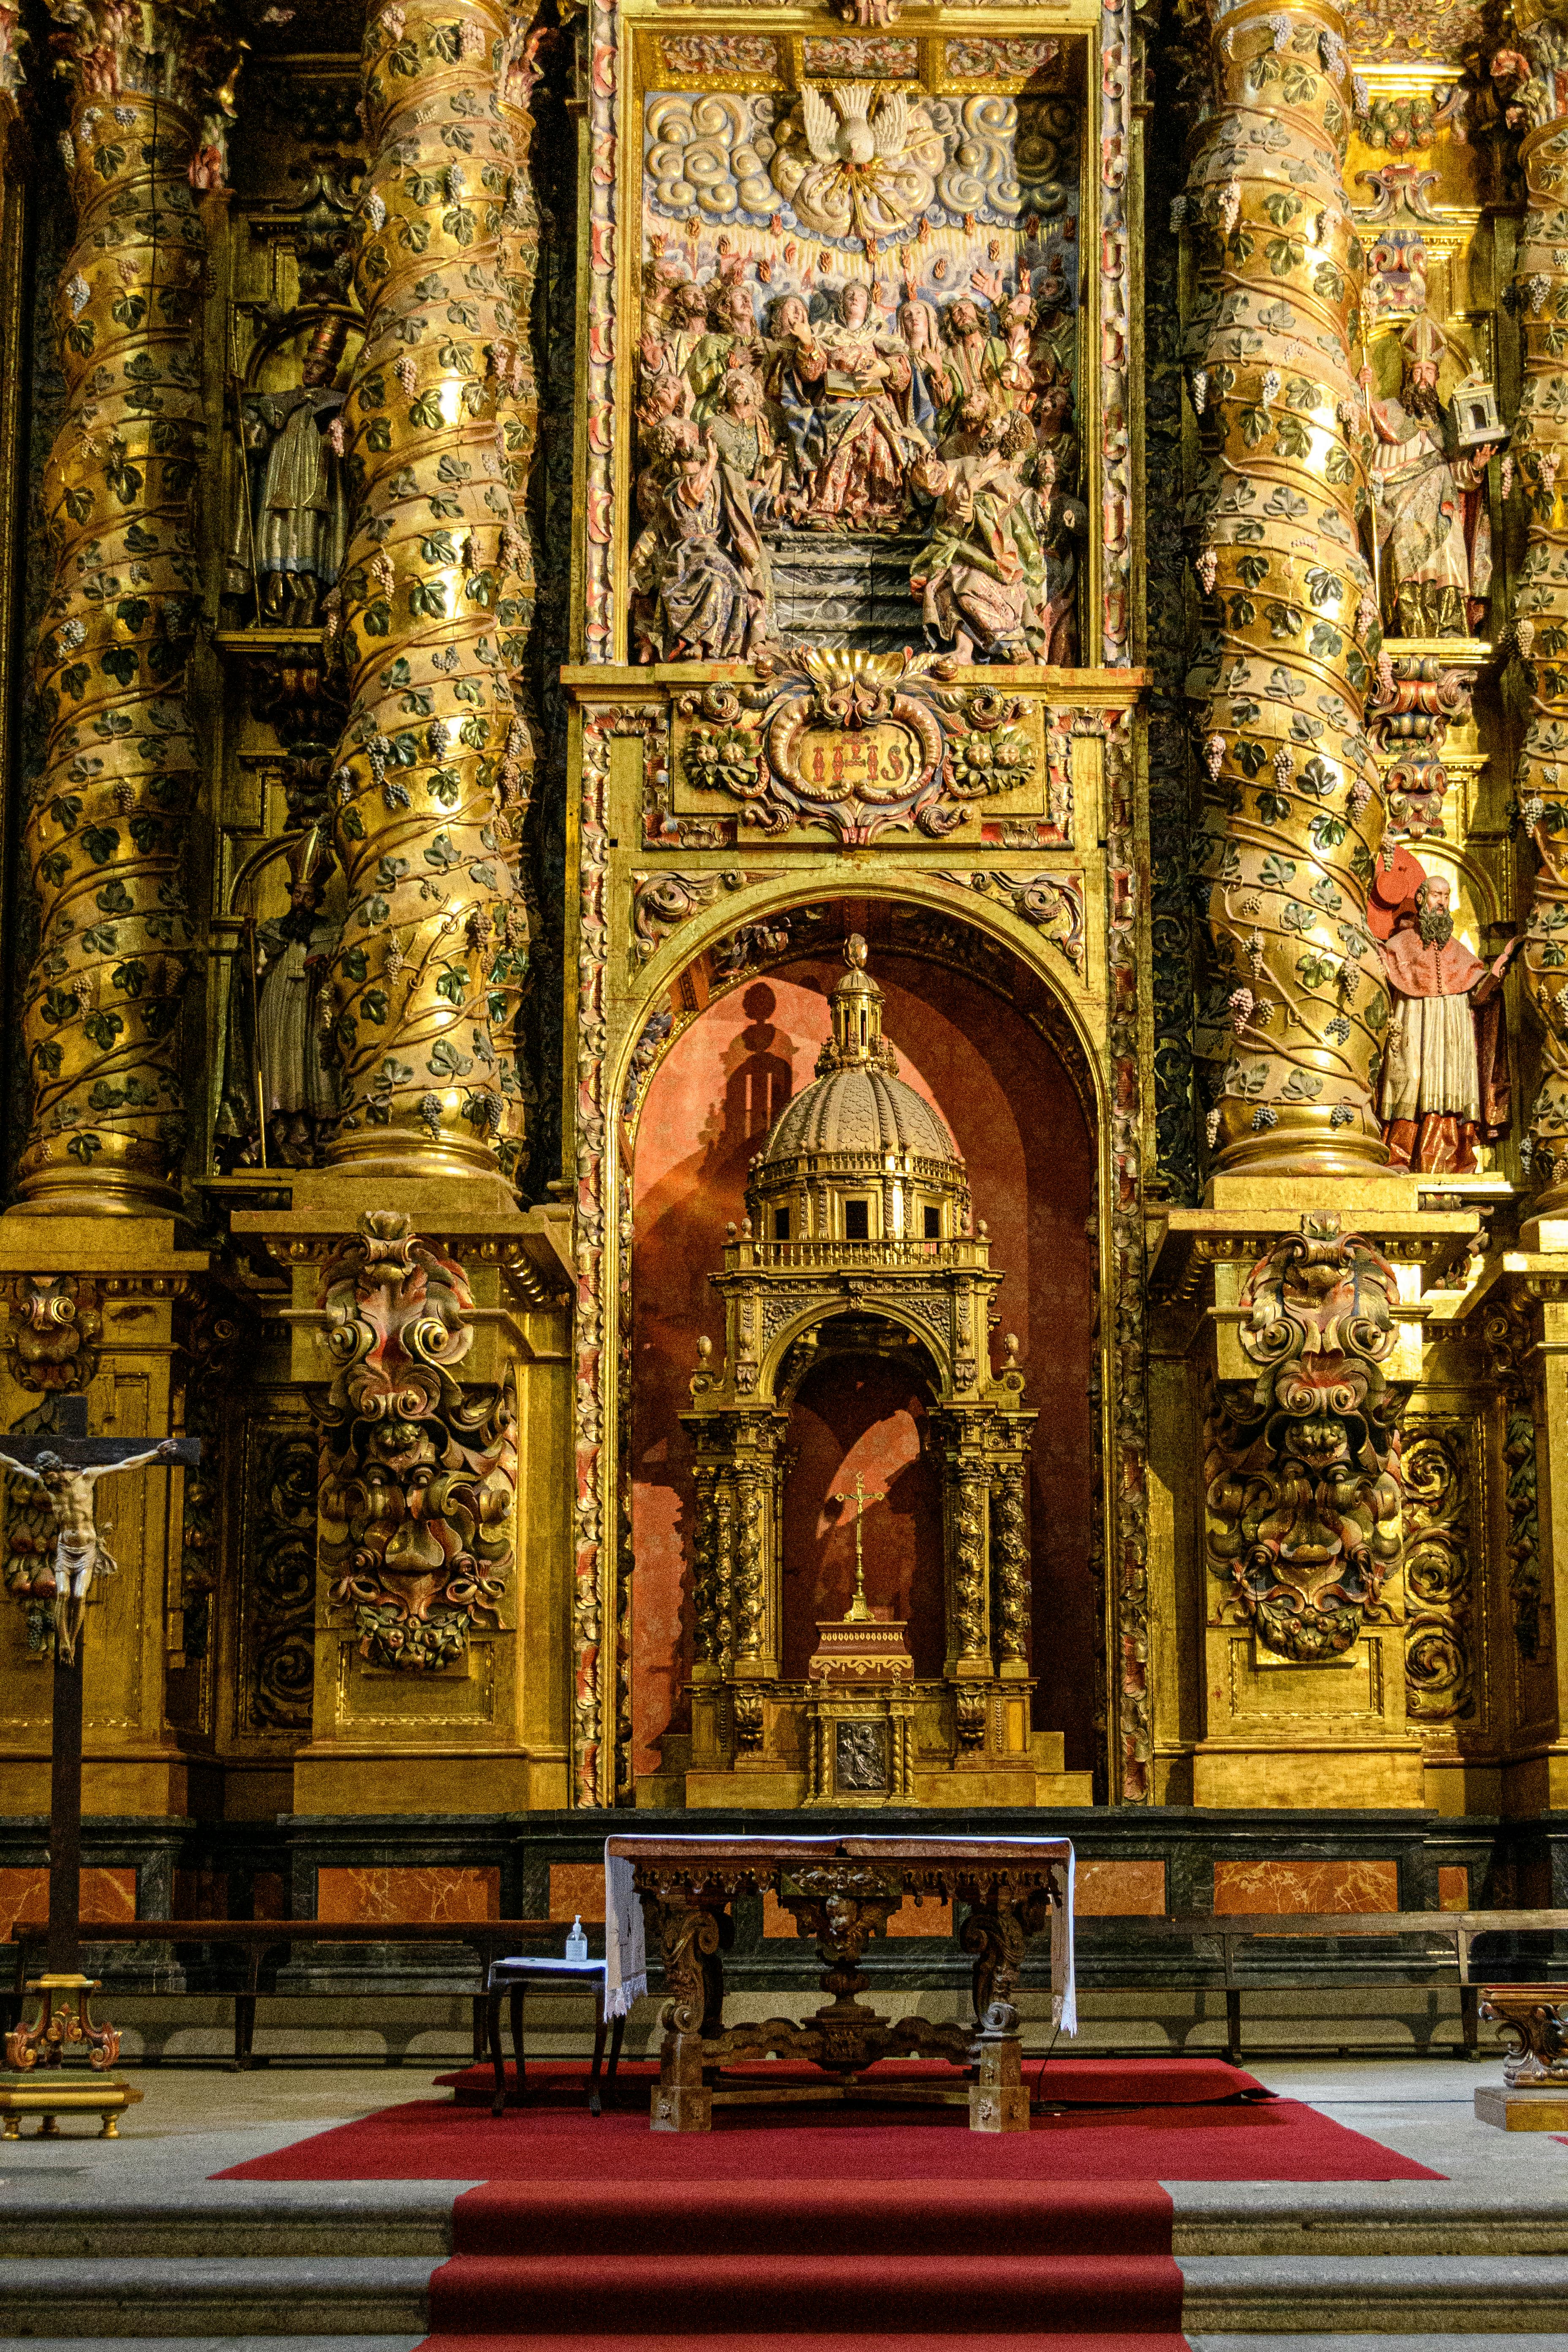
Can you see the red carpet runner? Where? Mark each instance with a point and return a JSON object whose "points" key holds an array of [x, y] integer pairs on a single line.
{"points": [[579, 2263]]}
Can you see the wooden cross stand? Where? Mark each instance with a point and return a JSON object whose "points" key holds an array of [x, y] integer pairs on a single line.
{"points": [[64, 1467]]}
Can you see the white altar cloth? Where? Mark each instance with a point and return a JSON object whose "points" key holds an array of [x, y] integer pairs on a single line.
{"points": [[625, 1945]]}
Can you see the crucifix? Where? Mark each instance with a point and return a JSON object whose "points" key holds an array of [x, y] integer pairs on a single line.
{"points": [[64, 1466], [861, 1610]]}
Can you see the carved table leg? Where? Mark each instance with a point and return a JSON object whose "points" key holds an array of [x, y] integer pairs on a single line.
{"points": [[996, 1931], [691, 1929]]}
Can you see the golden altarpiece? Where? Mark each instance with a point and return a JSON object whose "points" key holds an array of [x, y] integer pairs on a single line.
{"points": [[784, 786]]}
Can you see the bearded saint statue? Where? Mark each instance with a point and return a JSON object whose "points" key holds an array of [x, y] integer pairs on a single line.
{"points": [[1434, 532], [1444, 1066]]}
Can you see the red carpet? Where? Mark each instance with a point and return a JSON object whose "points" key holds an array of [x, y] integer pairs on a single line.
{"points": [[427, 2139], [705, 2259], [1116, 2340], [1063, 2081]]}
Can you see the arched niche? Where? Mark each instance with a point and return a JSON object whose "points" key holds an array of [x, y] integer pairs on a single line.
{"points": [[981, 1036], [857, 1400]]}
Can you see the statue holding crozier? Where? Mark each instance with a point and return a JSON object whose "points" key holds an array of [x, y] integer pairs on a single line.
{"points": [[1444, 1066], [65, 1466]]}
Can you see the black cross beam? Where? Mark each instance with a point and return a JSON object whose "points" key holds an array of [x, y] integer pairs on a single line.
{"points": [[71, 1444]]}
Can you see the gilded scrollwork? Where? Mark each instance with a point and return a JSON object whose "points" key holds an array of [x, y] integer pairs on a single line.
{"points": [[1303, 1463], [1051, 904], [860, 745], [1441, 1675], [419, 1484], [661, 902]]}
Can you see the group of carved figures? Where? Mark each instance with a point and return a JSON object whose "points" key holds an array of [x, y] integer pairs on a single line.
{"points": [[952, 425]]}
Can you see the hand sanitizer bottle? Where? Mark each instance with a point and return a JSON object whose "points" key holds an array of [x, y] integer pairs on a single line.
{"points": [[577, 1942]]}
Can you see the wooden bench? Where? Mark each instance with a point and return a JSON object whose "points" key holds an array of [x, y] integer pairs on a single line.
{"points": [[254, 1940], [1454, 1933]]}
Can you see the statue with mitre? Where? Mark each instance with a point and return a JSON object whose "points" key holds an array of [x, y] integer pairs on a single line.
{"points": [[1429, 465]]}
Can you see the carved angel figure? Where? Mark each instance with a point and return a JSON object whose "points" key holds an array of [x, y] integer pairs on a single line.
{"points": [[866, 176]]}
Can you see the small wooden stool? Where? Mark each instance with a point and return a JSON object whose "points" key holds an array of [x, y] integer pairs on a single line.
{"points": [[514, 1978]]}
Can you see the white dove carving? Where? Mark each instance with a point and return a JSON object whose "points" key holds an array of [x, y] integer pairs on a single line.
{"points": [[869, 173], [854, 138]]}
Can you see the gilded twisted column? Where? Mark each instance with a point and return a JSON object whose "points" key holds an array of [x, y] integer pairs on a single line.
{"points": [[1540, 447], [1010, 1561], [109, 812], [430, 764], [1294, 1022]]}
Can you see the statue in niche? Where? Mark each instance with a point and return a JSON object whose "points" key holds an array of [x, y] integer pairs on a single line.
{"points": [[701, 588], [982, 578], [277, 1067], [289, 531], [1063, 523], [1445, 1067], [1434, 530]]}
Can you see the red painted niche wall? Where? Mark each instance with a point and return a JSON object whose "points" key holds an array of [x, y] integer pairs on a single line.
{"points": [[1014, 1116]]}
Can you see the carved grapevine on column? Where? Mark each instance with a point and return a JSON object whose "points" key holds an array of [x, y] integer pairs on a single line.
{"points": [[1539, 449], [435, 757], [1303, 1464], [419, 1480], [1010, 1558], [1294, 1021], [105, 829]]}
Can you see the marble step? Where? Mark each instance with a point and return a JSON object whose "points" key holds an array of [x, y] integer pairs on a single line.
{"points": [[245, 2220], [257, 2219], [300, 2297], [1395, 2295], [290, 2295]]}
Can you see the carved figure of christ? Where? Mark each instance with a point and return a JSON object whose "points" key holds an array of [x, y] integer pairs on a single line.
{"points": [[66, 1466]]}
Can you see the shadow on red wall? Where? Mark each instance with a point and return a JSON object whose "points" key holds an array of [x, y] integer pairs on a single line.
{"points": [[1016, 1118]]}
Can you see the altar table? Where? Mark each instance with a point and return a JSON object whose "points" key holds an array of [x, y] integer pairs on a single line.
{"points": [[841, 1890]]}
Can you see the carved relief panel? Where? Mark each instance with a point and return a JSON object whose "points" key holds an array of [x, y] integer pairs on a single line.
{"points": [[857, 392]]}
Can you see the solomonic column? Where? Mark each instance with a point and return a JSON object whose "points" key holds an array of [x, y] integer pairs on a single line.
{"points": [[1297, 1012], [110, 811], [431, 770], [1540, 449], [430, 792], [1305, 1230]]}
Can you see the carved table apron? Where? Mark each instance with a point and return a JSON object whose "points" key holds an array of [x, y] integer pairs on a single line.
{"points": [[842, 1890]]}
